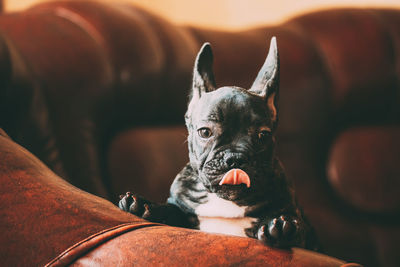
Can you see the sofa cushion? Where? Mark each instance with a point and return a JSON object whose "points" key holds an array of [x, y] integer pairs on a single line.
{"points": [[364, 168], [146, 160]]}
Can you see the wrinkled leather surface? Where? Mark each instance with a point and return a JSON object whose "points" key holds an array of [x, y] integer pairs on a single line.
{"points": [[41, 214], [83, 84], [193, 248]]}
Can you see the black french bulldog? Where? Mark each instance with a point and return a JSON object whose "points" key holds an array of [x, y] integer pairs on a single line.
{"points": [[234, 182]]}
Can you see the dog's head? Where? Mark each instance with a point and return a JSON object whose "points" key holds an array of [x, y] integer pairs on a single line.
{"points": [[231, 129]]}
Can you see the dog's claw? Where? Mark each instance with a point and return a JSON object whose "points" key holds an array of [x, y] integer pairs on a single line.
{"points": [[287, 228], [261, 233], [273, 229], [146, 213]]}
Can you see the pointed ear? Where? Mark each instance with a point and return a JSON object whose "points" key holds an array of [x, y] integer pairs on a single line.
{"points": [[203, 75], [267, 82]]}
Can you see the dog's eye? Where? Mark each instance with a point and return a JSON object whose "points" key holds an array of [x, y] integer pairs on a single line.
{"points": [[205, 132], [264, 133]]}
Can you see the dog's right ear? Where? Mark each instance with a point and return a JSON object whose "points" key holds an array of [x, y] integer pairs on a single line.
{"points": [[203, 75]]}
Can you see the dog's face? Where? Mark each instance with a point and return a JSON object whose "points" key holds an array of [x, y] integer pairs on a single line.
{"points": [[232, 128]]}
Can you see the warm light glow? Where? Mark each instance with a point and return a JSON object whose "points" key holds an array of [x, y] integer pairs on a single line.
{"points": [[230, 14]]}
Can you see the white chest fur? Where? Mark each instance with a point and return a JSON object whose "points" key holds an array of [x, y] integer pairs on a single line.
{"points": [[218, 215], [229, 226], [218, 207]]}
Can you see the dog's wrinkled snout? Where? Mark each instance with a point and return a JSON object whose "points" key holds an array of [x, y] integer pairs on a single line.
{"points": [[235, 160]]}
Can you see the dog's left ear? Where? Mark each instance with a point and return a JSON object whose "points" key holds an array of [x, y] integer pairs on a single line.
{"points": [[266, 84]]}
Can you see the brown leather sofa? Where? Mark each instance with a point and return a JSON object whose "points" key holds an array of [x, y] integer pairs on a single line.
{"points": [[97, 92]]}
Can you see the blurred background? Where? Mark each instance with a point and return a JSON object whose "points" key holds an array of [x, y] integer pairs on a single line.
{"points": [[230, 14]]}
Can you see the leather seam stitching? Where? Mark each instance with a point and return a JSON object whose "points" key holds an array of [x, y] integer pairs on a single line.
{"points": [[66, 258]]}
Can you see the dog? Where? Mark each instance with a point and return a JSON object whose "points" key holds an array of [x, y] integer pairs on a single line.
{"points": [[234, 183]]}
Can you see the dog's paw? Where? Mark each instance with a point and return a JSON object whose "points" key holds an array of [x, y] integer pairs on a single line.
{"points": [[282, 232], [153, 212], [134, 204]]}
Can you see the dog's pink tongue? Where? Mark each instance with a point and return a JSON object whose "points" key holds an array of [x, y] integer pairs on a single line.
{"points": [[236, 176]]}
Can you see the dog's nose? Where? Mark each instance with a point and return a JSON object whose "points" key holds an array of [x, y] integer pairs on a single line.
{"points": [[235, 160]]}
